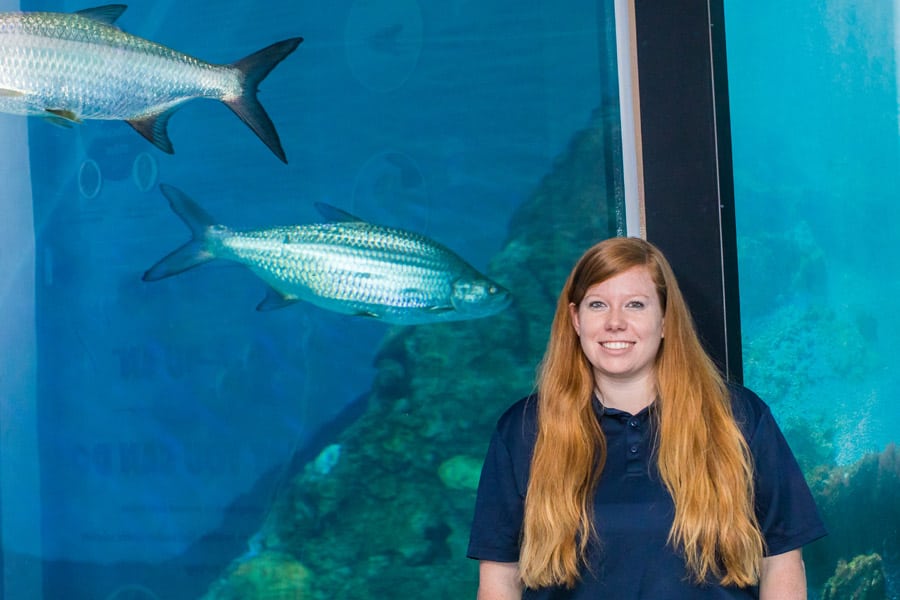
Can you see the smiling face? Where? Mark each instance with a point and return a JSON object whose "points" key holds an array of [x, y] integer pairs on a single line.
{"points": [[620, 324]]}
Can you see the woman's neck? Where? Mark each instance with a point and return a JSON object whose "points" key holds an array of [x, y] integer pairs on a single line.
{"points": [[632, 397]]}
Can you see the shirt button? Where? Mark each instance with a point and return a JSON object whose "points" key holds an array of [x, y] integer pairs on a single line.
{"points": [[633, 422], [633, 449]]}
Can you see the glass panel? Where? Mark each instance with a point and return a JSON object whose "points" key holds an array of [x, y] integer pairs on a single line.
{"points": [[163, 439], [814, 106]]}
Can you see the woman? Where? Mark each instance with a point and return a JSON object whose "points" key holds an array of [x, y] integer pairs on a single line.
{"points": [[636, 472]]}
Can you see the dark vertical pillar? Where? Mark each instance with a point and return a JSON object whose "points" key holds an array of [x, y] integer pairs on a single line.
{"points": [[686, 152]]}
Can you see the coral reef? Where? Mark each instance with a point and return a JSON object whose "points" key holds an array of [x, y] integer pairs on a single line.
{"points": [[867, 491], [796, 353], [265, 576], [812, 344], [461, 472], [860, 579], [391, 518], [765, 255]]}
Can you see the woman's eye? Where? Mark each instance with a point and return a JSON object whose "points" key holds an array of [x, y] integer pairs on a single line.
{"points": [[636, 304], [596, 305]]}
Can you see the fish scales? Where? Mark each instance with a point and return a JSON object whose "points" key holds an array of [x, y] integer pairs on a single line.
{"points": [[106, 70]]}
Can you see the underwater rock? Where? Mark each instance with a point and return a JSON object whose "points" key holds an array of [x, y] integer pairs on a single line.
{"points": [[860, 579], [326, 460], [392, 519], [767, 252], [868, 490], [266, 576], [815, 345], [818, 348], [461, 472], [391, 376]]}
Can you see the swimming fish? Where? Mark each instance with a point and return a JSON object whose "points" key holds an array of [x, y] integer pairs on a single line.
{"points": [[345, 265], [67, 67]]}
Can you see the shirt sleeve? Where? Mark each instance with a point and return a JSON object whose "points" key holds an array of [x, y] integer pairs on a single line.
{"points": [[787, 513], [499, 507]]}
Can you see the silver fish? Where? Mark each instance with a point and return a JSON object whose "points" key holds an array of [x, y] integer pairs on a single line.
{"points": [[67, 67], [345, 265]]}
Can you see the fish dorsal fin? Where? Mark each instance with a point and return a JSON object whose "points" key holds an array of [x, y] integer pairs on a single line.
{"points": [[334, 214], [193, 215], [106, 14]]}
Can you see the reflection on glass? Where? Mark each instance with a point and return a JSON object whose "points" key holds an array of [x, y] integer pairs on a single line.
{"points": [[813, 89], [176, 443]]}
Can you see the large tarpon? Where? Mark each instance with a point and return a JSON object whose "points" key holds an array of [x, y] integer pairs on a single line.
{"points": [[67, 67], [345, 265]]}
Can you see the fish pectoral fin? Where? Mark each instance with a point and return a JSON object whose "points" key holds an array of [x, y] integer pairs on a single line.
{"points": [[107, 14], [275, 300], [153, 128], [436, 310], [57, 122], [367, 313], [67, 116]]}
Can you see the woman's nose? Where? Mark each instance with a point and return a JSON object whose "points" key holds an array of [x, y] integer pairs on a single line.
{"points": [[615, 320]]}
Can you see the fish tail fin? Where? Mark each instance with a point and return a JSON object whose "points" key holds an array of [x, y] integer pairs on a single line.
{"points": [[195, 252], [247, 107]]}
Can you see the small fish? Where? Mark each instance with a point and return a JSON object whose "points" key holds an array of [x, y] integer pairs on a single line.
{"points": [[345, 265], [67, 67]]}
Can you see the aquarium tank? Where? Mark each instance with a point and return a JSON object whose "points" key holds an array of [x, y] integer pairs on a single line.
{"points": [[205, 393], [181, 417]]}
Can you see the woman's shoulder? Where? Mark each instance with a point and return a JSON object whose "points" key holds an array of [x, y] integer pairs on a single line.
{"points": [[519, 422], [748, 408]]}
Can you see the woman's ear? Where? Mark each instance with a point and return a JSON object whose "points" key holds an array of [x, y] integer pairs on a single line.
{"points": [[573, 313]]}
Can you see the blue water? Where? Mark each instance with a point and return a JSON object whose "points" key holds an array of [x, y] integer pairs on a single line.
{"points": [[161, 405], [815, 125]]}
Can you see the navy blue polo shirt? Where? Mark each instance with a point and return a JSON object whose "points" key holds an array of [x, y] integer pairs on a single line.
{"points": [[632, 509]]}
